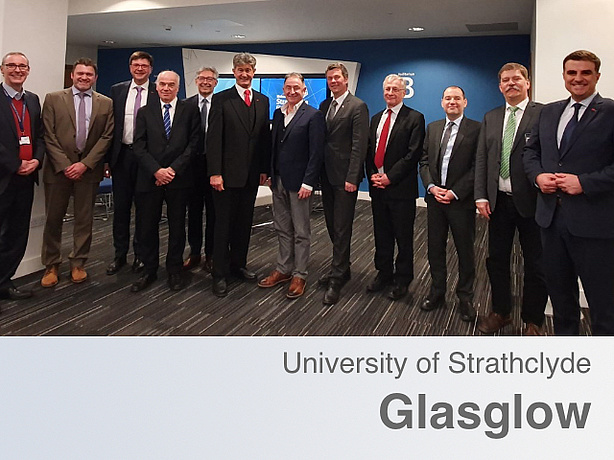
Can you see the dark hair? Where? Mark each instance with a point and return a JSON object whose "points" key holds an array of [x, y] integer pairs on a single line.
{"points": [[141, 55], [340, 66], [583, 55], [453, 86], [86, 62], [514, 66]]}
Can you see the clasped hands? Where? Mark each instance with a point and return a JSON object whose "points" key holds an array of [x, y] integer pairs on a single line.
{"points": [[549, 183]]}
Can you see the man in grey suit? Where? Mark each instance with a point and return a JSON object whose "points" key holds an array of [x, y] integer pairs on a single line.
{"points": [[347, 138], [506, 198]]}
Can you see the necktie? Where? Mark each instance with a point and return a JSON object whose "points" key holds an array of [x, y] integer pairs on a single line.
{"points": [[569, 129], [167, 120], [81, 129], [203, 114], [137, 106], [331, 112], [248, 101], [381, 145], [442, 150], [508, 140]]}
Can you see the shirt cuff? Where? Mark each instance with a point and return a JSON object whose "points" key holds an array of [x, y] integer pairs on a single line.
{"points": [[307, 187]]}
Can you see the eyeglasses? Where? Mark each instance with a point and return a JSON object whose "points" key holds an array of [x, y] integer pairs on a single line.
{"points": [[140, 66], [22, 67], [207, 79]]}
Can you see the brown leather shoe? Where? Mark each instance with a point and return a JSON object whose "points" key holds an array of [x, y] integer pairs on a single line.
{"points": [[532, 330], [78, 275], [275, 278], [297, 288], [493, 323], [50, 278], [191, 262]]}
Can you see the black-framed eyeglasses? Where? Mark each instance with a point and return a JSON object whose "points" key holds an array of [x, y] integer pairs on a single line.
{"points": [[12, 66]]}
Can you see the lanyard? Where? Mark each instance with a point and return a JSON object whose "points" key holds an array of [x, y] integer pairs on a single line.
{"points": [[23, 111]]}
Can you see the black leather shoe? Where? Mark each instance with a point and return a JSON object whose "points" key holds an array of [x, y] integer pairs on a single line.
{"points": [[379, 283], [331, 296], [431, 304], [243, 274], [143, 282], [175, 282], [466, 310], [398, 291], [13, 293], [116, 265], [137, 266], [219, 287], [325, 279]]}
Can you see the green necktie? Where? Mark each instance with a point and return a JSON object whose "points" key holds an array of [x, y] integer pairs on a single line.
{"points": [[508, 140]]}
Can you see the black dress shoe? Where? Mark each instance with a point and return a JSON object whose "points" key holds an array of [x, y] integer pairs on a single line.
{"points": [[143, 282], [137, 265], [116, 265], [431, 304], [325, 279], [243, 274], [331, 296], [175, 282], [466, 310], [379, 283], [219, 287], [398, 291], [13, 293]]}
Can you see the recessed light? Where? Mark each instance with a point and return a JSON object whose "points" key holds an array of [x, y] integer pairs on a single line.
{"points": [[416, 29], [108, 42], [238, 36]]}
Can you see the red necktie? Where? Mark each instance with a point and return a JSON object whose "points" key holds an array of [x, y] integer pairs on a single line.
{"points": [[248, 101], [381, 146]]}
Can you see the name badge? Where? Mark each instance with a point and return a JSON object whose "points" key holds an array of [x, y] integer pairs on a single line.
{"points": [[24, 140]]}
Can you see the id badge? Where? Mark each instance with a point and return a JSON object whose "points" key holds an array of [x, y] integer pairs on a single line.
{"points": [[24, 140]]}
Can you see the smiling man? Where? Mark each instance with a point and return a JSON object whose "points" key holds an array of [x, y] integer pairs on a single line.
{"points": [[570, 156]]}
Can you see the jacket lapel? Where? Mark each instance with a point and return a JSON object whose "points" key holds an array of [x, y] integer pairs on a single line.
{"points": [[237, 104], [7, 112], [295, 118], [70, 107], [589, 114]]}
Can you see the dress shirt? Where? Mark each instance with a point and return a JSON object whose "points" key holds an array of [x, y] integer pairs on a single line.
{"points": [[393, 117], [339, 102], [12, 93], [171, 111], [568, 113], [241, 92], [445, 162], [201, 99], [88, 107], [505, 185], [129, 115]]}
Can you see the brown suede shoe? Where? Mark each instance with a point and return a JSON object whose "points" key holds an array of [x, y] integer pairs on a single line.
{"points": [[78, 275], [493, 323], [191, 262], [297, 288], [275, 278], [532, 330], [50, 278]]}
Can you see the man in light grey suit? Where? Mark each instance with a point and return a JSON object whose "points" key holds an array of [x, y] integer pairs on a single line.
{"points": [[347, 139]]}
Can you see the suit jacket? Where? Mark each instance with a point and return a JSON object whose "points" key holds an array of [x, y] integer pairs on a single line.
{"points": [[154, 151], [60, 124], [589, 155], [119, 95], [298, 149], [9, 138], [402, 154], [236, 150], [347, 139], [488, 160], [461, 167], [200, 150]]}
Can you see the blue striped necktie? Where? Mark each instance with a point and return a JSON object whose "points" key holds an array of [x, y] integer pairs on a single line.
{"points": [[167, 120]]}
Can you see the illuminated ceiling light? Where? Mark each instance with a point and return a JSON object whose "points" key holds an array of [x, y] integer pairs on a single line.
{"points": [[416, 29], [109, 42], [238, 36]]}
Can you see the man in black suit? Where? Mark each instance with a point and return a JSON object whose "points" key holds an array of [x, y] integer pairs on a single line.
{"points": [[201, 195], [166, 137], [506, 198], [570, 156], [128, 97], [395, 146], [347, 138], [447, 168], [238, 161], [296, 162], [22, 147]]}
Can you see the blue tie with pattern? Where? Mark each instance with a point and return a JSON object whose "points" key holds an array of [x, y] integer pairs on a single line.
{"points": [[167, 120]]}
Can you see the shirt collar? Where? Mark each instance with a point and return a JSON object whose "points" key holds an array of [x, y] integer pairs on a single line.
{"points": [[396, 109], [11, 92], [585, 102], [201, 97], [241, 91], [457, 122], [75, 91], [522, 106], [284, 108], [341, 98], [133, 85], [173, 103]]}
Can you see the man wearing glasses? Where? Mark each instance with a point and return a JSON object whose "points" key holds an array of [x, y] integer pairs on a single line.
{"points": [[128, 97]]}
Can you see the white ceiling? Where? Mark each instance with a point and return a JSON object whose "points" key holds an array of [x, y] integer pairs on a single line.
{"points": [[296, 21]]}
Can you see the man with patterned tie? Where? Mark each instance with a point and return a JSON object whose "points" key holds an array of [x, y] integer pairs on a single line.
{"points": [[570, 156], [395, 146], [506, 198], [447, 171], [78, 130], [128, 97], [165, 139]]}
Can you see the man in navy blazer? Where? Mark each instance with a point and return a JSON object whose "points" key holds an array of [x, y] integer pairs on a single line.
{"points": [[570, 156], [296, 161], [128, 97], [22, 147]]}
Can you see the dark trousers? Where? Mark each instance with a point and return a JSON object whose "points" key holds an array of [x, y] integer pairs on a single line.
{"points": [[234, 214], [504, 221], [569, 257], [339, 207], [201, 197], [148, 214], [460, 220], [15, 211], [124, 179]]}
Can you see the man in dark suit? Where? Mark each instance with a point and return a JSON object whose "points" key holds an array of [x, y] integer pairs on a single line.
{"points": [[395, 146], [78, 130], [506, 198], [296, 162], [22, 148], [166, 137], [447, 168], [238, 161], [347, 138], [201, 195], [128, 97], [570, 156]]}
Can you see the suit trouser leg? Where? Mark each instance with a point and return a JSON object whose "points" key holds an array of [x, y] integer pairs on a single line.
{"points": [[209, 219], [15, 212], [383, 233], [282, 222], [241, 229], [176, 202], [221, 249], [328, 204], [57, 195], [462, 225], [148, 214], [437, 233], [301, 215], [124, 180], [196, 203], [83, 198], [402, 215]]}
